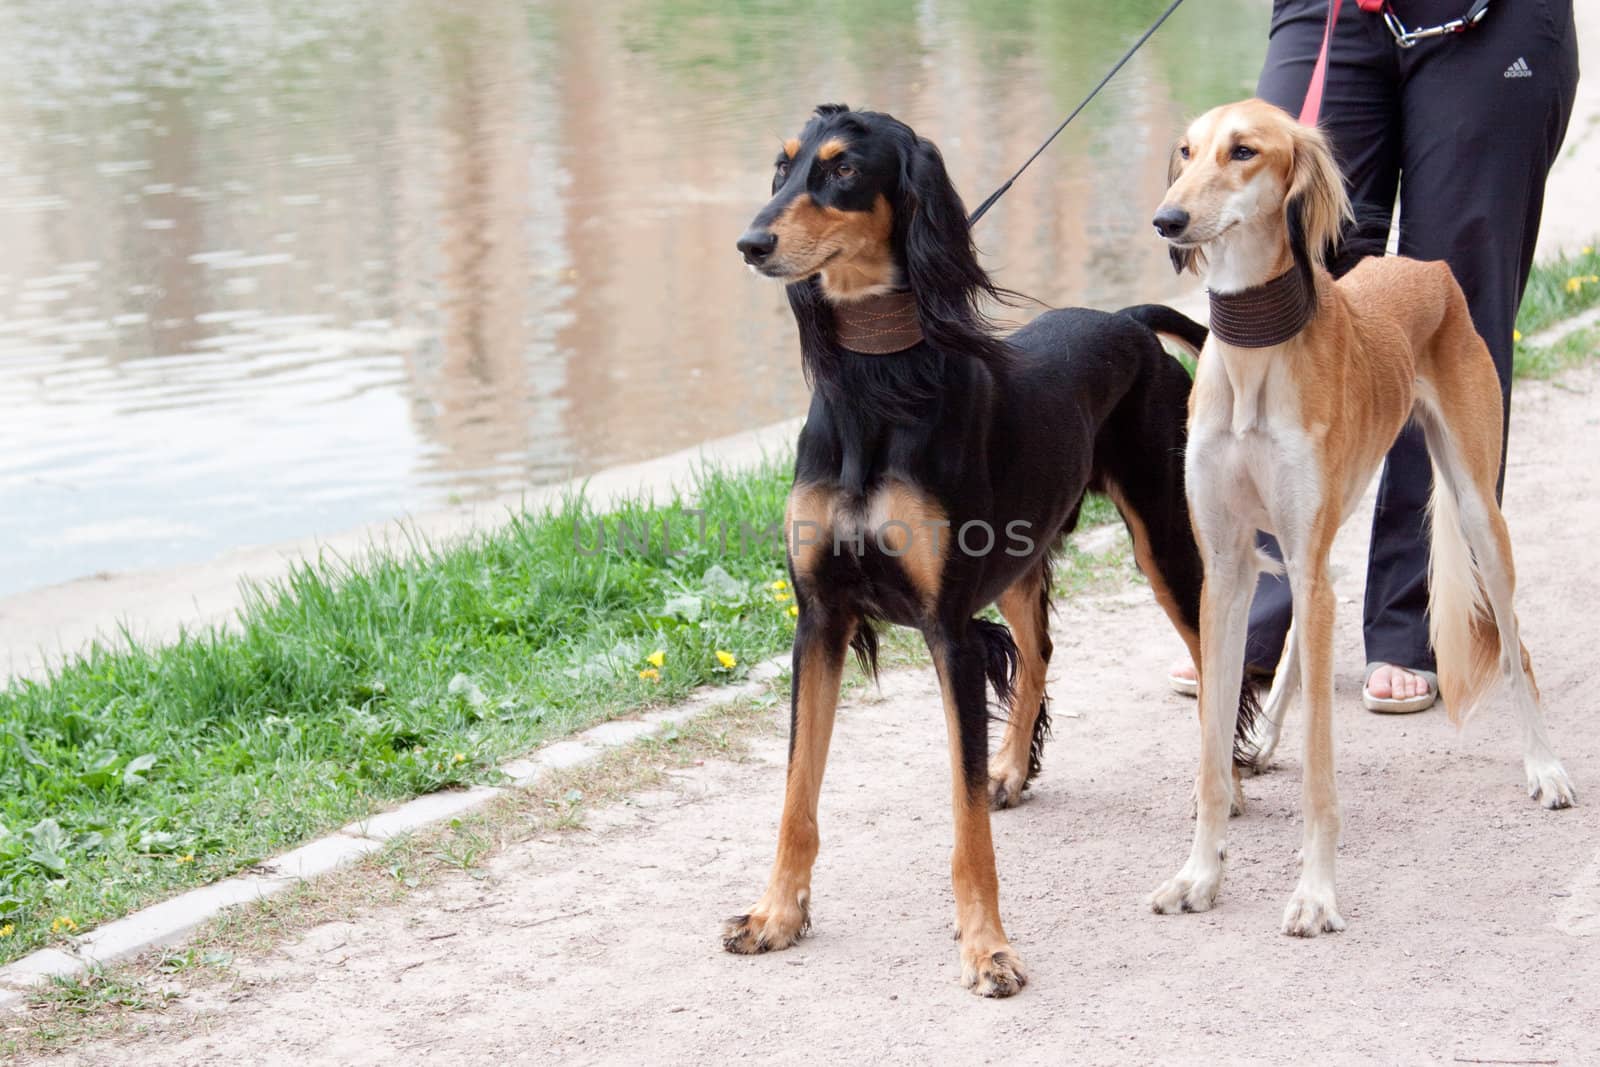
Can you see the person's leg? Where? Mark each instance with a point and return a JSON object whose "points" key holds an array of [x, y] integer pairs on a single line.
{"points": [[1360, 109], [1476, 150]]}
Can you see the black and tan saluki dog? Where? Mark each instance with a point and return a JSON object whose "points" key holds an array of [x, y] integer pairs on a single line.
{"points": [[938, 469]]}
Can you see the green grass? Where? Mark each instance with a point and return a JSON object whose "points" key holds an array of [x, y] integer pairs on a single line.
{"points": [[1547, 361], [1557, 291], [128, 774], [1560, 289]]}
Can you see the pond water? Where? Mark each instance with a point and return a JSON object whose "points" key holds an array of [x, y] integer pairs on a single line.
{"points": [[275, 269]]}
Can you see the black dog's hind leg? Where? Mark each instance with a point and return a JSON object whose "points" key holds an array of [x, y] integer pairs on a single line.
{"points": [[1026, 608], [1139, 458], [783, 914], [989, 966], [1163, 546]]}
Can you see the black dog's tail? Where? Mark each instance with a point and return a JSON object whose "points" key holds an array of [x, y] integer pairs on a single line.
{"points": [[1245, 750], [1000, 658], [864, 644], [1000, 664], [1173, 325], [1362, 237], [1139, 464]]}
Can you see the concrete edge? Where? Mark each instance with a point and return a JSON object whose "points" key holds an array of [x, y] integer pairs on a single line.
{"points": [[170, 921], [1560, 331]]}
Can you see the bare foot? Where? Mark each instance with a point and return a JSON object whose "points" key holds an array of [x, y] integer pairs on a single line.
{"points": [[1396, 683]]}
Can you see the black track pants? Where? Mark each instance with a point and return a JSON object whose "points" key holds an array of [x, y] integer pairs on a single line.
{"points": [[1465, 129]]}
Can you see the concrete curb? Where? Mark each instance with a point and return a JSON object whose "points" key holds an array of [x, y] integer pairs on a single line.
{"points": [[1565, 328], [173, 919]]}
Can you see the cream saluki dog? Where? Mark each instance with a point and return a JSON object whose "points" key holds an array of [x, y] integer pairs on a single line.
{"points": [[1301, 389]]}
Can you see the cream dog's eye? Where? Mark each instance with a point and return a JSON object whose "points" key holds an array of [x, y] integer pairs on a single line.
{"points": [[1244, 152]]}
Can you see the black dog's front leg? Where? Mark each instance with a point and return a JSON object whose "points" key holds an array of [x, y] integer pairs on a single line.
{"points": [[989, 966], [783, 914]]}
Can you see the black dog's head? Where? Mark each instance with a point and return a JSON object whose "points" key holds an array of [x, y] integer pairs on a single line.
{"points": [[835, 190], [860, 206]]}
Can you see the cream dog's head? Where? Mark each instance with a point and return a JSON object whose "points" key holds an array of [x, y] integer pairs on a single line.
{"points": [[1250, 172]]}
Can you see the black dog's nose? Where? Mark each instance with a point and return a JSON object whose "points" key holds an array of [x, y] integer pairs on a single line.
{"points": [[1171, 222], [757, 245]]}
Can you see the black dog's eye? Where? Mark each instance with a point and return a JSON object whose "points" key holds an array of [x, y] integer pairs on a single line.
{"points": [[1183, 151], [1244, 152], [844, 170], [783, 168]]}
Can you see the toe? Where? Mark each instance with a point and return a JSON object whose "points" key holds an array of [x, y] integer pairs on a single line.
{"points": [[739, 936]]}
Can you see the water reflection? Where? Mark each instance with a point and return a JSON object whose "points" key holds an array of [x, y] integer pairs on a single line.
{"points": [[278, 269]]}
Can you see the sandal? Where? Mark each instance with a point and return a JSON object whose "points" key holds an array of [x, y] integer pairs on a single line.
{"points": [[1400, 705], [1188, 687]]}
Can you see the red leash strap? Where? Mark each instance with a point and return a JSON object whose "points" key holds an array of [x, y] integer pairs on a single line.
{"points": [[1319, 74], [1312, 108]]}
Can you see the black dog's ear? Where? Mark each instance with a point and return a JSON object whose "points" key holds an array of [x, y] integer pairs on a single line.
{"points": [[938, 241], [941, 264], [1183, 259]]}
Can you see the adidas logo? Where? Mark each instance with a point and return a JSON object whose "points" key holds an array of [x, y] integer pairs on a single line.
{"points": [[1519, 69]]}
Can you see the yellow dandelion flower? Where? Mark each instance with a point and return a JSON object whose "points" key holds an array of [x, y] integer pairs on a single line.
{"points": [[1516, 335], [8, 929], [63, 924], [461, 757], [1574, 284], [794, 611], [1593, 278], [187, 858], [656, 658], [780, 597], [780, 584], [650, 675], [1588, 250], [727, 659]]}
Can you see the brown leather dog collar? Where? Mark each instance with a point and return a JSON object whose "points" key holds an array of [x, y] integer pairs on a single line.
{"points": [[878, 325], [1264, 315]]}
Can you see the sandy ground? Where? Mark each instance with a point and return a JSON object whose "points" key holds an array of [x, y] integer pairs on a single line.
{"points": [[1474, 916]]}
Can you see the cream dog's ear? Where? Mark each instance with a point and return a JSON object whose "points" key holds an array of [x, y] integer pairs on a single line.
{"points": [[1317, 207]]}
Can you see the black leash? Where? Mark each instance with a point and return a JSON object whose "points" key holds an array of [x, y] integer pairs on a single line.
{"points": [[998, 193]]}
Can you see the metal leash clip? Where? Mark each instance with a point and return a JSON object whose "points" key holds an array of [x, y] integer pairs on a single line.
{"points": [[1408, 38]]}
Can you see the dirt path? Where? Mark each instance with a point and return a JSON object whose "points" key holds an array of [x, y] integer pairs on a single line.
{"points": [[1474, 915]]}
